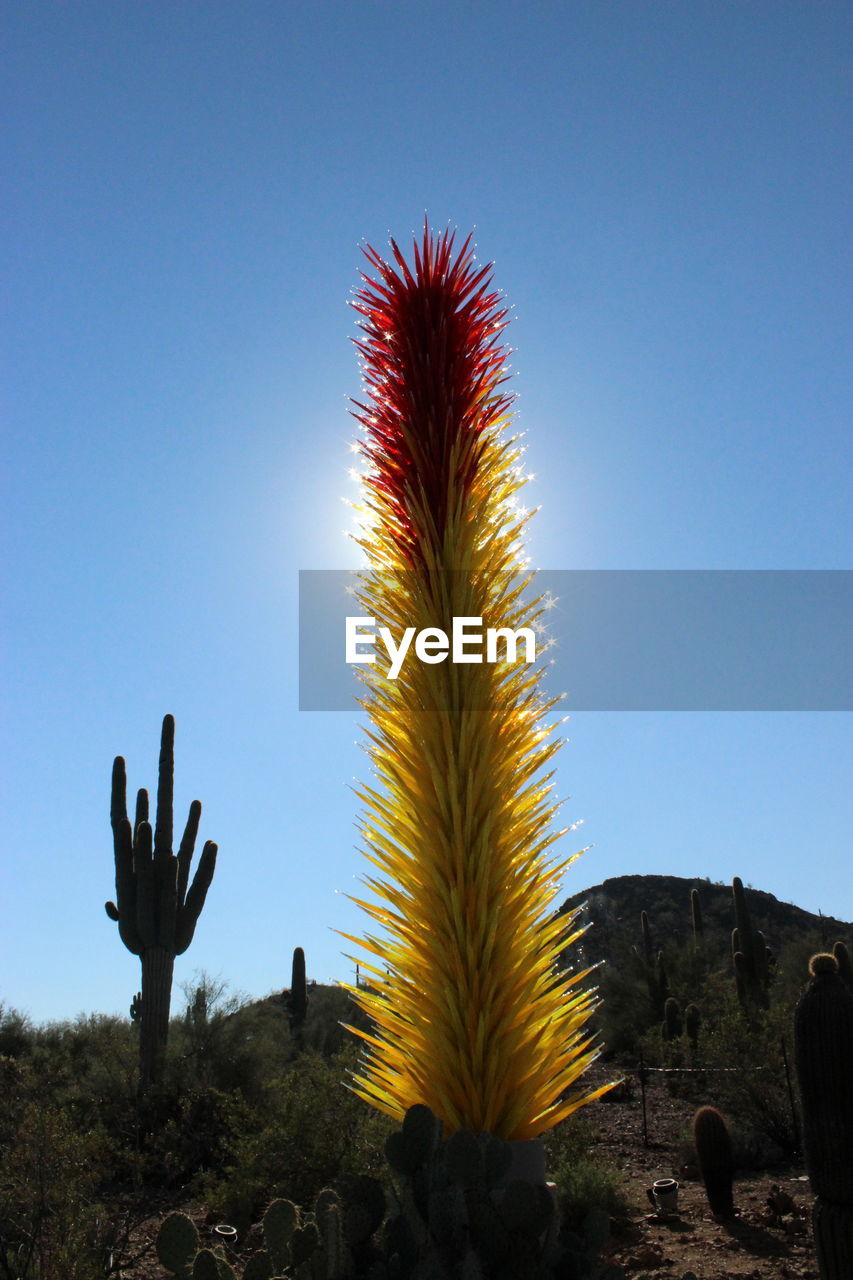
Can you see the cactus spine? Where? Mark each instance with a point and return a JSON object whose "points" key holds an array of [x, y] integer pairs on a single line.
{"points": [[823, 1046], [714, 1157], [155, 910]]}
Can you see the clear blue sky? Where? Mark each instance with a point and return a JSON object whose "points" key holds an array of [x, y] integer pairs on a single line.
{"points": [[663, 190]]}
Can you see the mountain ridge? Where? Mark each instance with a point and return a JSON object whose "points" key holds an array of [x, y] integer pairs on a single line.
{"points": [[611, 911]]}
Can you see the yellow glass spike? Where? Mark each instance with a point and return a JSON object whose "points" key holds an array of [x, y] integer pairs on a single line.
{"points": [[470, 1012]]}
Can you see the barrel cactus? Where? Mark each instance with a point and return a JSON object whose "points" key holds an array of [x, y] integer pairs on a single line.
{"points": [[715, 1159]]}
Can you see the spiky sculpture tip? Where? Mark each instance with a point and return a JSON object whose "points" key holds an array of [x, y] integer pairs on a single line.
{"points": [[472, 1014]]}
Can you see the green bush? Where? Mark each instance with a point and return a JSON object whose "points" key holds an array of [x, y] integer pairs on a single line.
{"points": [[50, 1217], [309, 1130], [583, 1178]]}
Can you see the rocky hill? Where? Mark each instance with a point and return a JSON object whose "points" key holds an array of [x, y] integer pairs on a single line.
{"points": [[612, 910]]}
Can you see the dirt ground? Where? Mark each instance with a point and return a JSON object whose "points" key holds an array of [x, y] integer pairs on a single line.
{"points": [[761, 1242]]}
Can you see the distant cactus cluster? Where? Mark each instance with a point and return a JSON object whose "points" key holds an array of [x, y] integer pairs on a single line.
{"points": [[823, 1040], [753, 960], [675, 1021], [654, 968]]}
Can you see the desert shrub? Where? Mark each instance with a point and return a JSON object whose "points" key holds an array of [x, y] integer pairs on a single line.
{"points": [[50, 1219], [754, 1090], [583, 1177], [220, 1042], [310, 1129], [329, 1008], [626, 1011], [185, 1136], [16, 1033]]}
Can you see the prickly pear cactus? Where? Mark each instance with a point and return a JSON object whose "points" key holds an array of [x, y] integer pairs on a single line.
{"points": [[177, 1245], [458, 1214], [280, 1222]]}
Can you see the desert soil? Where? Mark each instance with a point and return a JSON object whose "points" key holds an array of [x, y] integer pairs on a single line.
{"points": [[758, 1244]]}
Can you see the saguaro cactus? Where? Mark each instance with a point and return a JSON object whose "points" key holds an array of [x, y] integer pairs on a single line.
{"points": [[297, 1005], [654, 967], [473, 1017], [156, 907], [751, 955], [673, 1023], [696, 916], [823, 1040], [692, 1023]]}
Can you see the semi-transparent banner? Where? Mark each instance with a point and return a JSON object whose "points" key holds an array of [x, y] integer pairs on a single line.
{"points": [[609, 640]]}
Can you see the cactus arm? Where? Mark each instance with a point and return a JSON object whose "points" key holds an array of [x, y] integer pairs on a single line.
{"points": [[165, 787], [185, 853], [146, 912], [123, 910], [647, 937], [187, 917], [118, 794], [141, 807]]}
